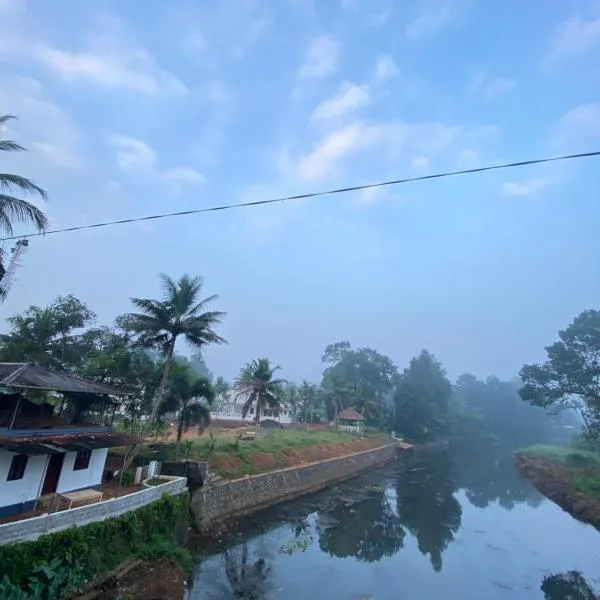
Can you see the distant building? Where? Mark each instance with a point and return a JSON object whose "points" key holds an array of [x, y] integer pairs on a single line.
{"points": [[350, 420], [232, 411]]}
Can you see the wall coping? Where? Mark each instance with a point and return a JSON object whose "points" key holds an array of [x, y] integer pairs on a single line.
{"points": [[303, 466]]}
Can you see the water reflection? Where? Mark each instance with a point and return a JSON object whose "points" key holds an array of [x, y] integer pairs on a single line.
{"points": [[488, 475], [427, 506], [367, 530], [567, 586], [364, 534]]}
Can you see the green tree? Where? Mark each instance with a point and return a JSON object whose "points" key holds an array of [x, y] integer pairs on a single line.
{"points": [[421, 399], [339, 394], [308, 395], [50, 336], [222, 391], [370, 374], [15, 210], [188, 395], [261, 390], [570, 377], [291, 399], [180, 313]]}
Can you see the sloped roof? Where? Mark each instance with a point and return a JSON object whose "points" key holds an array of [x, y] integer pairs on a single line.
{"points": [[48, 442], [32, 376], [350, 415]]}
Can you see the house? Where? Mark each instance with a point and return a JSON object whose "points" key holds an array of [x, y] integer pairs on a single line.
{"points": [[350, 420], [55, 432], [232, 411]]}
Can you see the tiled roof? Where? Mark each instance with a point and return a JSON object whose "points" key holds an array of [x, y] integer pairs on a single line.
{"points": [[350, 415]]}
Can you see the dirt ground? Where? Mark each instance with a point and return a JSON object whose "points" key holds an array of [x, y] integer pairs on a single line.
{"points": [[156, 580], [232, 466], [556, 481]]}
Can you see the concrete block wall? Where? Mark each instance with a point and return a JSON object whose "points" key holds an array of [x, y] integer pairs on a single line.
{"points": [[31, 529], [214, 504]]}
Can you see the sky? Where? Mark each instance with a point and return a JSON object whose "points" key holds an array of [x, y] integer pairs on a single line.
{"points": [[131, 109]]}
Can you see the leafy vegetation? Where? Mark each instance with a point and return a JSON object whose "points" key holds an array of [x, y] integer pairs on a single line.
{"points": [[15, 210], [100, 547]]}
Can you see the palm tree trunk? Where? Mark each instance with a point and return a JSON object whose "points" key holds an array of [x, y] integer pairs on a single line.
{"points": [[179, 433], [157, 402]]}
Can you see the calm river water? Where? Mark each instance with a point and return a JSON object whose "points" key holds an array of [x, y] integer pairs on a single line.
{"points": [[451, 526]]}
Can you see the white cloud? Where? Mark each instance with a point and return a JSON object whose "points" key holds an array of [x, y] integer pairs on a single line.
{"points": [[468, 158], [59, 156], [321, 58], [133, 154], [419, 162], [525, 188], [428, 23], [184, 175], [385, 68], [138, 157], [348, 98], [110, 59], [497, 86], [575, 36], [490, 87], [585, 117], [323, 159]]}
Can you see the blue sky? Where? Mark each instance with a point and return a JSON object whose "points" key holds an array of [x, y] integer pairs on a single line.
{"points": [[131, 109]]}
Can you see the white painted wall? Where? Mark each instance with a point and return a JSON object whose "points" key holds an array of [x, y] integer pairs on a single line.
{"points": [[21, 490], [75, 480]]}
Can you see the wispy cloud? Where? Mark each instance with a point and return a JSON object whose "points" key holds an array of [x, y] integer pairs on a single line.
{"points": [[428, 23], [490, 87], [322, 57], [110, 59], [385, 68], [347, 99], [575, 36], [527, 187], [60, 156], [136, 157]]}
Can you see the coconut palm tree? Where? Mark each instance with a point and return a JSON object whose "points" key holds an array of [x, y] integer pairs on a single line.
{"points": [[14, 210], [180, 313], [188, 395], [257, 384]]}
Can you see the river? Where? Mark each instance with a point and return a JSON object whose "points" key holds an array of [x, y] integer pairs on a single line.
{"points": [[458, 525]]}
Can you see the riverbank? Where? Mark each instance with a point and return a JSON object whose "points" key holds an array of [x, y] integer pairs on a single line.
{"points": [[573, 488]]}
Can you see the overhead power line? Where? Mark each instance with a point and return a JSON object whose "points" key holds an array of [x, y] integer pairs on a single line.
{"points": [[308, 195]]}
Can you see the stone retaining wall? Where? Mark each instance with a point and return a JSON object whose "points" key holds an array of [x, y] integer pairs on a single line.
{"points": [[31, 529], [213, 504]]}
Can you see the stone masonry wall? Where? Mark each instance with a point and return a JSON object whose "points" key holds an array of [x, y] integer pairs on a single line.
{"points": [[213, 504], [31, 529]]}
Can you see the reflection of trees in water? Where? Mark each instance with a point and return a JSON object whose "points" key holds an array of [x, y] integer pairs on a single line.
{"points": [[487, 473], [567, 586], [427, 507], [247, 580], [367, 530]]}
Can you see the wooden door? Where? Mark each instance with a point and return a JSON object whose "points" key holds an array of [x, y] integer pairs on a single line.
{"points": [[53, 473]]}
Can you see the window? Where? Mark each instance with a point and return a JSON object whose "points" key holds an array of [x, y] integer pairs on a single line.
{"points": [[82, 460], [17, 467]]}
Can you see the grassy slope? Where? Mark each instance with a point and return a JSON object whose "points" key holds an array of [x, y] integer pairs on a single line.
{"points": [[234, 457], [583, 465]]}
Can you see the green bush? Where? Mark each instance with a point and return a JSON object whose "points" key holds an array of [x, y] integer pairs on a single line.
{"points": [[99, 547], [578, 460], [126, 478], [588, 485]]}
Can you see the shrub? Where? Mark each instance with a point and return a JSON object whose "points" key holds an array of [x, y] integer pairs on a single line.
{"points": [[99, 547], [576, 459]]}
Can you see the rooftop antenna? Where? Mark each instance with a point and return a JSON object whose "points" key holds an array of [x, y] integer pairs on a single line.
{"points": [[16, 252]]}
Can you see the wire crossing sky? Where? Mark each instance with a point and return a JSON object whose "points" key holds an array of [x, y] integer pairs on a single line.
{"points": [[309, 195]]}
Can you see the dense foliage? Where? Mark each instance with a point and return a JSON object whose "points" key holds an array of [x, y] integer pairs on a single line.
{"points": [[100, 547]]}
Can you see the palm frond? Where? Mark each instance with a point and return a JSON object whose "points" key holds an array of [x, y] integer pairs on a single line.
{"points": [[248, 404], [20, 211], [10, 146], [14, 184], [5, 118]]}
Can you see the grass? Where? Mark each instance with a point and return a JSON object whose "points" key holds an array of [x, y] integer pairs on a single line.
{"points": [[156, 481], [565, 454], [589, 485], [232, 457]]}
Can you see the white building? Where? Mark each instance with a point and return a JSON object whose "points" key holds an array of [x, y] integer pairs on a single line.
{"points": [[232, 411], [47, 449]]}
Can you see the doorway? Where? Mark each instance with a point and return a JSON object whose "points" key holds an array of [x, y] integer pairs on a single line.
{"points": [[53, 473]]}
